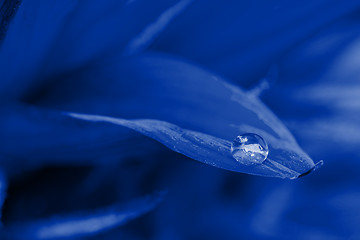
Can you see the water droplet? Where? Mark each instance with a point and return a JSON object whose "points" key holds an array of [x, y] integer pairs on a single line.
{"points": [[249, 149]]}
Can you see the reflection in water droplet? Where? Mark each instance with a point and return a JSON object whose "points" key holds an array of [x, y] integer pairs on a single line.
{"points": [[249, 149]]}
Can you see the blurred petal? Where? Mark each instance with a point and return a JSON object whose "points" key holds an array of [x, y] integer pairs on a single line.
{"points": [[33, 138], [51, 37], [145, 38], [29, 38], [108, 28], [241, 39], [84, 224], [8, 9], [320, 79]]}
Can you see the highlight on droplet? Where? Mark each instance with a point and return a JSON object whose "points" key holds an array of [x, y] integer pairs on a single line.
{"points": [[249, 149]]}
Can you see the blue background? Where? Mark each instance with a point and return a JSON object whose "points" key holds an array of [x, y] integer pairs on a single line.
{"points": [[163, 60]]}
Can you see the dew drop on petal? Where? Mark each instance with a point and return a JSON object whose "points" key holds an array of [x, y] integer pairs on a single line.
{"points": [[249, 149]]}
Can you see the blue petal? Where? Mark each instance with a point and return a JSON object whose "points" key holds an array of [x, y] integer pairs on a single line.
{"points": [[241, 39], [28, 40], [47, 38], [80, 225], [320, 77], [33, 138], [182, 100]]}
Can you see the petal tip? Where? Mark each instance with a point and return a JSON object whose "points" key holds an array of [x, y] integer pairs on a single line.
{"points": [[316, 167]]}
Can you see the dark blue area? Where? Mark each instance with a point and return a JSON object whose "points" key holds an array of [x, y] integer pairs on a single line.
{"points": [[180, 80]]}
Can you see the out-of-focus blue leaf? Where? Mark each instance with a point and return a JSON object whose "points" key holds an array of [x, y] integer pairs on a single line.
{"points": [[320, 79], [82, 224], [243, 40], [326, 210], [28, 40], [7, 11], [51, 37], [148, 35], [188, 107], [47, 137]]}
